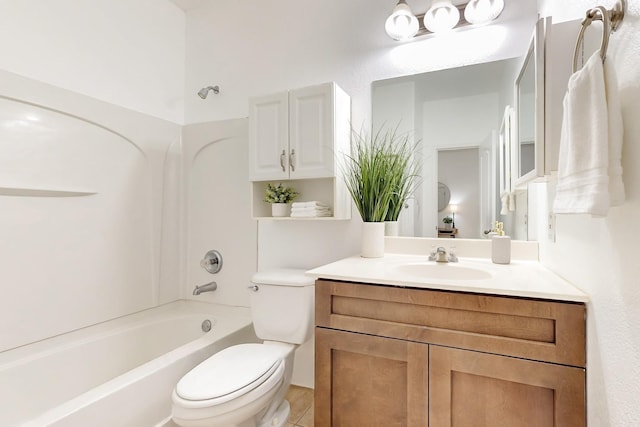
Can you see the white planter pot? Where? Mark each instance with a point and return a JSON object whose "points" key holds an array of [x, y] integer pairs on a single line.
{"points": [[279, 209], [391, 228], [372, 240]]}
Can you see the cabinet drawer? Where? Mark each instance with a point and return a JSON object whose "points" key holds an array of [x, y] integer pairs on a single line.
{"points": [[533, 329]]}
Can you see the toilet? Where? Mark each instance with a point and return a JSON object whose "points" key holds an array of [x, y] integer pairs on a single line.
{"points": [[245, 385]]}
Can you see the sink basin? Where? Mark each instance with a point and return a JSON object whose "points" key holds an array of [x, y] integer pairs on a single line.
{"points": [[445, 271]]}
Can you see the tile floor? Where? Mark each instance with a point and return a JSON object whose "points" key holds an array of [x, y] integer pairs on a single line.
{"points": [[301, 401]]}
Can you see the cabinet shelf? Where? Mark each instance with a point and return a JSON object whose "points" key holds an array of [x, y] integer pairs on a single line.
{"points": [[330, 191]]}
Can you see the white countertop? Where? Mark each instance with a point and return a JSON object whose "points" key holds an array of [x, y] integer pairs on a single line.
{"points": [[520, 278]]}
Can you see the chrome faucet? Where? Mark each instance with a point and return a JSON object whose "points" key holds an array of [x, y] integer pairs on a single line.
{"points": [[440, 255], [209, 287]]}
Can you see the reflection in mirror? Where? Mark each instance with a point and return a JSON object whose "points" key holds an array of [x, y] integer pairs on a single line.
{"points": [[525, 84], [504, 153], [444, 195], [460, 169], [448, 111]]}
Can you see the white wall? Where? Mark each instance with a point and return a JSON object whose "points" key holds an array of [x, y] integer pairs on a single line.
{"points": [[600, 255], [126, 52]]}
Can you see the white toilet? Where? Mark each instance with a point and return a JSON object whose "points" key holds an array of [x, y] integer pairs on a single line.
{"points": [[245, 385]]}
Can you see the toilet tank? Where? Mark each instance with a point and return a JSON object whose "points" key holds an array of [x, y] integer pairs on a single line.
{"points": [[282, 306]]}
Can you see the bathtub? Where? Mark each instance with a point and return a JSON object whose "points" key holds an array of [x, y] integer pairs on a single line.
{"points": [[118, 373]]}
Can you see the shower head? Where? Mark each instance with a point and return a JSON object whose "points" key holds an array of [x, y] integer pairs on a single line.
{"points": [[202, 93]]}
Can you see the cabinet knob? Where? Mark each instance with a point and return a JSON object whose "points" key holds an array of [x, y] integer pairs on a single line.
{"points": [[292, 160], [283, 158]]}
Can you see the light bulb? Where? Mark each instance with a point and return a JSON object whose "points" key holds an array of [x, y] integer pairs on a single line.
{"points": [[479, 12], [441, 16], [402, 23]]}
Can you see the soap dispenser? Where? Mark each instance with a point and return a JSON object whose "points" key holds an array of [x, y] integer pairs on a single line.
{"points": [[500, 245]]}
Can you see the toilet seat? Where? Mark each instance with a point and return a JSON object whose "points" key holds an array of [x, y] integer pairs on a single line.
{"points": [[229, 374]]}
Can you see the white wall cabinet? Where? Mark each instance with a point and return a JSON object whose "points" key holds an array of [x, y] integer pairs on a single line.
{"points": [[300, 136], [296, 134]]}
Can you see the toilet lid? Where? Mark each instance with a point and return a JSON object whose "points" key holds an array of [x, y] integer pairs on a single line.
{"points": [[233, 369]]}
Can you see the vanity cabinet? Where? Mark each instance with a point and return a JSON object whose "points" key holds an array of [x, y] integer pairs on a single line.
{"points": [[390, 356], [297, 138], [364, 380]]}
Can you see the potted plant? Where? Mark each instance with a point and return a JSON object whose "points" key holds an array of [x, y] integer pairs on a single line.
{"points": [[380, 174], [448, 221], [279, 197]]}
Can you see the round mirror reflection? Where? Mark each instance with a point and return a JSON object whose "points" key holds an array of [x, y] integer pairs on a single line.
{"points": [[444, 195]]}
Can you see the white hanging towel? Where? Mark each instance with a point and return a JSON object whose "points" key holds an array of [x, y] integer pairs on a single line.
{"points": [[616, 133], [507, 202], [589, 170]]}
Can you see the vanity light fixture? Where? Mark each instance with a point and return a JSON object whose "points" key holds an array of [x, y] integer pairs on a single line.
{"points": [[402, 24], [480, 12], [442, 16]]}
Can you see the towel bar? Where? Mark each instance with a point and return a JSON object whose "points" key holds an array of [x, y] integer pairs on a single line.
{"points": [[610, 18]]}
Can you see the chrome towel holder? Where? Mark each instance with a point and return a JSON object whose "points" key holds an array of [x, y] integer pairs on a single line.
{"points": [[611, 19]]}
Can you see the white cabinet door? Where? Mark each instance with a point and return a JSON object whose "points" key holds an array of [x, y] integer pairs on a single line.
{"points": [[311, 132], [269, 137]]}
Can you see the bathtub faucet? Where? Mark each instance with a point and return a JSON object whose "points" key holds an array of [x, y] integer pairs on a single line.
{"points": [[209, 287]]}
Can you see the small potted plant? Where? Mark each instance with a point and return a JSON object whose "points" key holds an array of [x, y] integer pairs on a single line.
{"points": [[279, 197], [448, 221]]}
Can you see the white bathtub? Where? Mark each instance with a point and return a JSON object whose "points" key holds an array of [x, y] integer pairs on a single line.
{"points": [[118, 373]]}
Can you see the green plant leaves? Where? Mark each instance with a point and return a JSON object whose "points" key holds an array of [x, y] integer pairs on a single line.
{"points": [[279, 194], [381, 173]]}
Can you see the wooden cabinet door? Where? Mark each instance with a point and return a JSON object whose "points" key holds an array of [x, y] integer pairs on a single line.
{"points": [[363, 380], [311, 132], [269, 137], [473, 389]]}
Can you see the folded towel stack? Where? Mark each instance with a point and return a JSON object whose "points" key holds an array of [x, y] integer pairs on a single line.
{"points": [[309, 209]]}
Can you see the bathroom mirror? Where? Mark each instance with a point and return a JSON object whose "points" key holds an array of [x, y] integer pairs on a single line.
{"points": [[453, 112], [528, 146]]}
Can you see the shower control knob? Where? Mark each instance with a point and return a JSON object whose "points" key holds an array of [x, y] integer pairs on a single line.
{"points": [[212, 261]]}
